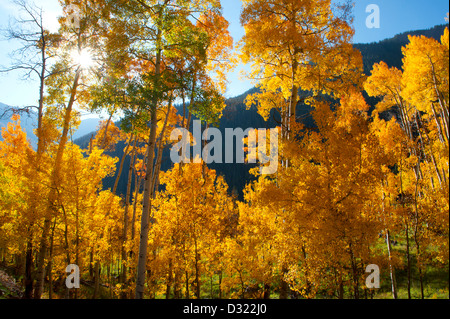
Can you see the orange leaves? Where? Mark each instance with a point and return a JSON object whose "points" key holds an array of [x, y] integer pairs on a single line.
{"points": [[15, 140], [192, 187], [385, 82], [22, 187], [265, 102], [140, 67], [216, 26], [191, 216], [415, 149], [426, 74], [80, 206], [108, 135], [86, 219], [297, 46], [354, 103], [319, 213], [14, 155], [390, 135], [173, 121], [423, 81]]}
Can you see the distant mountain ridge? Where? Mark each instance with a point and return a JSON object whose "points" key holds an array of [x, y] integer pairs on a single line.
{"points": [[390, 50], [29, 123]]}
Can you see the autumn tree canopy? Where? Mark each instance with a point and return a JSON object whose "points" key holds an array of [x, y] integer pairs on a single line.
{"points": [[365, 185]]}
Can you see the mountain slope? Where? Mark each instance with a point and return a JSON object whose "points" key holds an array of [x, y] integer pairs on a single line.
{"points": [[28, 121], [390, 50]]}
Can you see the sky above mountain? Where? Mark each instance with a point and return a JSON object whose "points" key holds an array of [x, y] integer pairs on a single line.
{"points": [[396, 16]]}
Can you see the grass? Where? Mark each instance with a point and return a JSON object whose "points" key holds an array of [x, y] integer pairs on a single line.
{"points": [[435, 278], [435, 281]]}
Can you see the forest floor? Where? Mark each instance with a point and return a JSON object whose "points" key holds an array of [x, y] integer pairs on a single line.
{"points": [[436, 285], [9, 288]]}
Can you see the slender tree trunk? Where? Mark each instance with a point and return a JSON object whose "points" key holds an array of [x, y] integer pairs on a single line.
{"points": [[191, 102], [96, 280], [187, 284], [438, 125], [146, 207], [53, 192], [40, 273], [266, 294], [176, 286], [445, 119], [146, 210], [408, 261], [211, 293], [242, 284], [155, 179], [197, 275], [284, 287], [408, 255], [405, 119], [220, 284], [169, 280], [189, 119], [308, 283], [40, 146], [91, 264], [137, 188], [125, 216], [422, 295], [294, 97], [416, 239], [442, 103], [105, 134], [293, 107], [197, 270], [341, 288], [183, 99], [419, 266], [28, 266], [354, 273], [391, 267], [422, 143], [66, 246], [50, 263], [205, 159], [122, 160], [77, 228], [90, 143]]}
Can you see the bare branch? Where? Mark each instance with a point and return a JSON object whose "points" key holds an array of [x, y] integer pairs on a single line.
{"points": [[17, 110]]}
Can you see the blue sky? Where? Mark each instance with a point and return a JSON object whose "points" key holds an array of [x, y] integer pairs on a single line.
{"points": [[396, 16]]}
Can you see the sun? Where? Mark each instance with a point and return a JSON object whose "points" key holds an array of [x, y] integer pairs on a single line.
{"points": [[83, 58]]}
